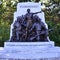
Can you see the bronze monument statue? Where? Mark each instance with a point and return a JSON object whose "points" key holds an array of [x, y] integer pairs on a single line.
{"points": [[29, 28]]}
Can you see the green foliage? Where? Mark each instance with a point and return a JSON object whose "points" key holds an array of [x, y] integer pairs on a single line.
{"points": [[6, 18], [24, 0], [4, 32], [55, 33], [56, 1], [53, 21]]}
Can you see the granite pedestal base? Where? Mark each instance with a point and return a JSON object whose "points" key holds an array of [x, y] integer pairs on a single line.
{"points": [[30, 50]]}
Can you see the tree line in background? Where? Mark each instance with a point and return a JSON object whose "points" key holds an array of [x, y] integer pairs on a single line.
{"points": [[52, 17]]}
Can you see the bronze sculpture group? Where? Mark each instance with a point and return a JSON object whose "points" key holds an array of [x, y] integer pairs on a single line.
{"points": [[29, 28]]}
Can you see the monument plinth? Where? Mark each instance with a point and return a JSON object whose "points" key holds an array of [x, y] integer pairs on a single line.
{"points": [[29, 38]]}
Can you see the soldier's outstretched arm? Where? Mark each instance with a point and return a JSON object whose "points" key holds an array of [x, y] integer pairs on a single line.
{"points": [[37, 12]]}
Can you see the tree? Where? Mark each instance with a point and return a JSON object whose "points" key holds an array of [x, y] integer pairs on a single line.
{"points": [[7, 9], [53, 19]]}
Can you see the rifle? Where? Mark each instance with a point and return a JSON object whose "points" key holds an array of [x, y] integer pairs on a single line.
{"points": [[41, 33]]}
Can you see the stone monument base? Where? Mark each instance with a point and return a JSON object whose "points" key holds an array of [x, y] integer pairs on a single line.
{"points": [[30, 50]]}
